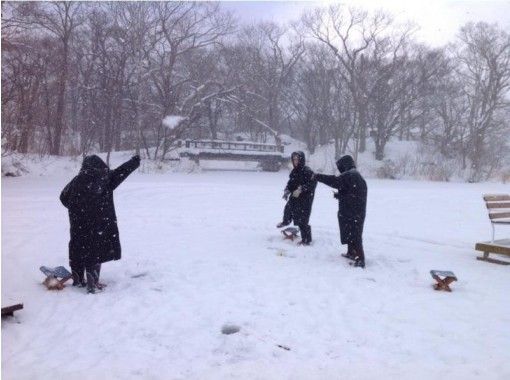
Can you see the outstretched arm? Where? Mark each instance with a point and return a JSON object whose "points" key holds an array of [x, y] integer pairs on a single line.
{"points": [[329, 180], [117, 176]]}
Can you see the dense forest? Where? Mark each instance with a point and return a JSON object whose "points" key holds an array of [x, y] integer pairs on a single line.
{"points": [[79, 77]]}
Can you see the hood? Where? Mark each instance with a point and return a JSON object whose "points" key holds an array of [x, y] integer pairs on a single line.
{"points": [[301, 156], [345, 163], [94, 165]]}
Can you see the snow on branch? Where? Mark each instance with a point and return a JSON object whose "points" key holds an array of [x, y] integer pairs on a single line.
{"points": [[173, 121]]}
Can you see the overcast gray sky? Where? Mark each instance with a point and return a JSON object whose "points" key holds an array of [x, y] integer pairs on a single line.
{"points": [[439, 20]]}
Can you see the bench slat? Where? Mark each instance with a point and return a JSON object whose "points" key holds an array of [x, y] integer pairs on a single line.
{"points": [[497, 205], [499, 246], [499, 215], [496, 197]]}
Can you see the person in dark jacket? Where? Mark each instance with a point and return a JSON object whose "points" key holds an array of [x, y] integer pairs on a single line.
{"points": [[300, 191], [352, 203], [94, 233]]}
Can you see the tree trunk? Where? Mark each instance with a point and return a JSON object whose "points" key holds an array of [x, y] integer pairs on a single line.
{"points": [[59, 115], [379, 150], [362, 131]]}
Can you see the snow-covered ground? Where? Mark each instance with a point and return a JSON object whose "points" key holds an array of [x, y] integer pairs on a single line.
{"points": [[201, 251]]}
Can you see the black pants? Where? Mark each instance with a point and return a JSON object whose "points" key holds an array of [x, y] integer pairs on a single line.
{"points": [[305, 229], [287, 213], [306, 233]]}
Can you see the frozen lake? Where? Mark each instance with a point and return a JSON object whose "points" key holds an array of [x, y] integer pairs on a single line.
{"points": [[202, 250]]}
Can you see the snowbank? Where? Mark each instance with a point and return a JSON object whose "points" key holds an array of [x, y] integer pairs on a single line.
{"points": [[405, 160], [15, 165], [408, 160]]}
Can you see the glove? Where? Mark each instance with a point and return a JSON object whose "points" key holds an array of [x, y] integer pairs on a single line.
{"points": [[336, 195], [136, 158], [296, 193], [286, 194]]}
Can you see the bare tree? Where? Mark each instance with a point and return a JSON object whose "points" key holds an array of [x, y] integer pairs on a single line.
{"points": [[484, 58], [135, 24], [59, 19], [349, 32], [266, 57], [188, 33]]}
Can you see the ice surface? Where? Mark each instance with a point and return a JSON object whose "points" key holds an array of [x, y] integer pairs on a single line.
{"points": [[201, 250]]}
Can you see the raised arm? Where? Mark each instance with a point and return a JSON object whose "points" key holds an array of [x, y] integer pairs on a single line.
{"points": [[117, 176]]}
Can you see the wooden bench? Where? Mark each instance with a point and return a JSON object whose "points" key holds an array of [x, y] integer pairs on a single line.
{"points": [[501, 247], [498, 206], [9, 310]]}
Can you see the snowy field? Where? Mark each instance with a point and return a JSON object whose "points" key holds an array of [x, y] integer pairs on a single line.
{"points": [[201, 251]]}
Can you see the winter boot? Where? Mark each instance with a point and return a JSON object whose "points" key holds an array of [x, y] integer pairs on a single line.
{"points": [[351, 255], [92, 274], [358, 262], [78, 275]]}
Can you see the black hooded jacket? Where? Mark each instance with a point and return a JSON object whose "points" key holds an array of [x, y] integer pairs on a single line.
{"points": [[352, 199], [302, 176], [89, 200]]}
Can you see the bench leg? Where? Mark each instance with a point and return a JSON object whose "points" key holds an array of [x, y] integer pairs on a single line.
{"points": [[485, 257], [494, 261]]}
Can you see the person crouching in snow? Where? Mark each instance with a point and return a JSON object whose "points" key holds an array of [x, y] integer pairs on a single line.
{"points": [[300, 191], [352, 203], [94, 233]]}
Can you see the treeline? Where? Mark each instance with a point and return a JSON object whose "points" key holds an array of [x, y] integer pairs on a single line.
{"points": [[80, 77]]}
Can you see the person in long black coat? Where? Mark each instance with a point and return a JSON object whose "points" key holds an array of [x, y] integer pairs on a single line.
{"points": [[94, 232], [300, 191], [352, 204]]}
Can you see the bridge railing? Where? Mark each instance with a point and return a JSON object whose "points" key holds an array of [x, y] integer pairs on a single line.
{"points": [[232, 145]]}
